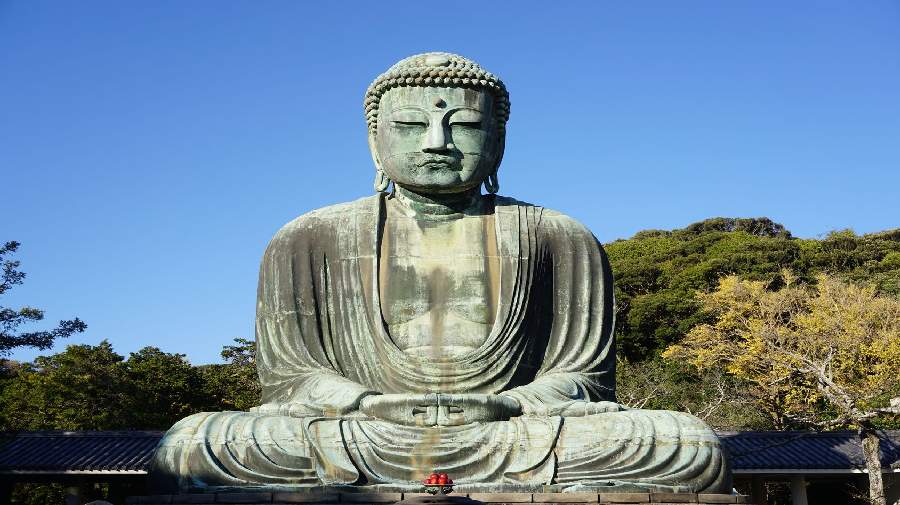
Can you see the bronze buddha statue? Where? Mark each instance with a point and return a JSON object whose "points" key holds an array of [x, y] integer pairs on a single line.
{"points": [[433, 327]]}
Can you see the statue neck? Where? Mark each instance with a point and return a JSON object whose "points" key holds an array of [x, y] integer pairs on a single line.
{"points": [[439, 206]]}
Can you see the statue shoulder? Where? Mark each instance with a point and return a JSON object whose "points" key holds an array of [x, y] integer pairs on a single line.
{"points": [[326, 219], [329, 216], [557, 222], [550, 224]]}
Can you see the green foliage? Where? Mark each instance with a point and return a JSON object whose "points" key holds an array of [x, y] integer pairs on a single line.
{"points": [[871, 259], [759, 227], [29, 493], [80, 388], [658, 273], [11, 319], [166, 386], [38, 494], [718, 398], [234, 385], [93, 388]]}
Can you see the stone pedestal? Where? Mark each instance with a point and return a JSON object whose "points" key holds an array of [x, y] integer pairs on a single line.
{"points": [[366, 498]]}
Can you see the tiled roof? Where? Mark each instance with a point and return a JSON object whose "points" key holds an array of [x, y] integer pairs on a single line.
{"points": [[799, 450], [49, 452], [42, 452]]}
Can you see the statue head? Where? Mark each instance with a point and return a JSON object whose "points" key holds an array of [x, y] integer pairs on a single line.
{"points": [[437, 124]]}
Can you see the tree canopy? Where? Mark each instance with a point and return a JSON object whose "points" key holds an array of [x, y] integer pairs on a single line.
{"points": [[11, 319], [824, 356], [90, 387], [657, 273]]}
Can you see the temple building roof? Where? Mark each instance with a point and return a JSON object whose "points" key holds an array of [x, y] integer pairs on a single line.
{"points": [[802, 452], [77, 452]]}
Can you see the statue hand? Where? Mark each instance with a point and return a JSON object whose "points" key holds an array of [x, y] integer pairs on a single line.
{"points": [[581, 408], [467, 408], [439, 409], [290, 410], [301, 409], [405, 409]]}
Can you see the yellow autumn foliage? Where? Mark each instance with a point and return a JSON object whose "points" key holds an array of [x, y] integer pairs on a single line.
{"points": [[827, 354]]}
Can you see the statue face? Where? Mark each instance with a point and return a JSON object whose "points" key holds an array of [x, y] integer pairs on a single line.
{"points": [[437, 140]]}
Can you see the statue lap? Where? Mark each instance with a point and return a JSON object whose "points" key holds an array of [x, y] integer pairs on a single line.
{"points": [[609, 449]]}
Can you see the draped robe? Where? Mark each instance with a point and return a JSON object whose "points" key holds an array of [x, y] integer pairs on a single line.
{"points": [[323, 345]]}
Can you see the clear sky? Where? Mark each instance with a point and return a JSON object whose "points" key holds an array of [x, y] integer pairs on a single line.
{"points": [[149, 150]]}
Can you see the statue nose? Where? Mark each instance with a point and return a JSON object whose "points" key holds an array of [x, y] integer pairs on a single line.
{"points": [[436, 140]]}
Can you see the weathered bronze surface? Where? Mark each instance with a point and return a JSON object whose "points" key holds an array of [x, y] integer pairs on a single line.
{"points": [[436, 328]]}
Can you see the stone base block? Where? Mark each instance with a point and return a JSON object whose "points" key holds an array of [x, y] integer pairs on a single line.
{"points": [[368, 498]]}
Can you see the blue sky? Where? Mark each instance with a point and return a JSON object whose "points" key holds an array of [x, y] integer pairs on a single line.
{"points": [[149, 150]]}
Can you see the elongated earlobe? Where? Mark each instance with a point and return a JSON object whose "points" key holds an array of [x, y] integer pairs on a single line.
{"points": [[382, 181], [492, 184]]}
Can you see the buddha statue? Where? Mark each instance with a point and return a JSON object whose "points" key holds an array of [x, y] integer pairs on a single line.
{"points": [[433, 327]]}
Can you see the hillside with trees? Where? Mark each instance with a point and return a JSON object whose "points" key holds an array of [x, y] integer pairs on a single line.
{"points": [[661, 277], [658, 273]]}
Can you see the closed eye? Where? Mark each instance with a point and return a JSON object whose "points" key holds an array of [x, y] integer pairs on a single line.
{"points": [[465, 117], [410, 123]]}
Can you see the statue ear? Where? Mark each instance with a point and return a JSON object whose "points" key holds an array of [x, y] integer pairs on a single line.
{"points": [[501, 148], [373, 149], [382, 181], [491, 182]]}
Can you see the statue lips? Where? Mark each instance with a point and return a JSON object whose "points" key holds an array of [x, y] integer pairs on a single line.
{"points": [[434, 162]]}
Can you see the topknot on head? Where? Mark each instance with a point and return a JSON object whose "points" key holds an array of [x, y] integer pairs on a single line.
{"points": [[437, 69]]}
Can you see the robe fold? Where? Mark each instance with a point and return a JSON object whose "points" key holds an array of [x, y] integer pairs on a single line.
{"points": [[322, 345]]}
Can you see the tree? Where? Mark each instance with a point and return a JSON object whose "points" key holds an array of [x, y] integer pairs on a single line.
{"points": [[825, 356], [11, 319], [82, 388], [657, 272], [93, 388], [235, 384], [719, 399], [162, 388]]}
